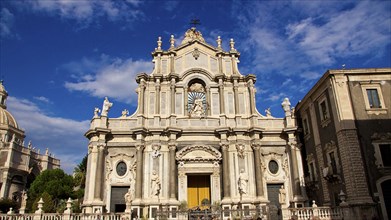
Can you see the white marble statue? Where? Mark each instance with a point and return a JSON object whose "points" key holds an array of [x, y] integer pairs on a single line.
{"points": [[106, 106], [242, 182], [282, 195], [198, 108], [96, 112], [155, 184]]}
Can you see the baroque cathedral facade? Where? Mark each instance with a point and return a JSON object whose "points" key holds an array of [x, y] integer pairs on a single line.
{"points": [[196, 138]]}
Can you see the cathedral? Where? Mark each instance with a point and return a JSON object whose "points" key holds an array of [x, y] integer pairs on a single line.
{"points": [[19, 164], [195, 138]]}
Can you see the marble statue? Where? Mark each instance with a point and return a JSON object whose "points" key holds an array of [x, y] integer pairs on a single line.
{"points": [[242, 182], [106, 106], [96, 112], [282, 195], [155, 184], [198, 108]]}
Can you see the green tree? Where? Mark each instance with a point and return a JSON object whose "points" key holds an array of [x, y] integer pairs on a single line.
{"points": [[80, 172], [6, 204], [57, 184]]}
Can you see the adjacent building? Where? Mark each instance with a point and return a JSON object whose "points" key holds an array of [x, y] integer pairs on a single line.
{"points": [[19, 165], [345, 121], [196, 138]]}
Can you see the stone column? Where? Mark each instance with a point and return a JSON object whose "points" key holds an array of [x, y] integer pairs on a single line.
{"points": [[99, 172], [157, 105], [295, 170], [172, 178], [220, 59], [236, 97], [4, 187], [226, 179], [186, 111], [141, 101], [172, 64], [139, 171], [221, 93], [172, 87], [208, 98], [258, 171]]}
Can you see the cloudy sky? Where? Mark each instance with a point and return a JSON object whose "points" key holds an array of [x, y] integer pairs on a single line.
{"points": [[60, 58]]}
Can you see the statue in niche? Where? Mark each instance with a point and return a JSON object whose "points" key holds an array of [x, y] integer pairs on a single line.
{"points": [[196, 100], [198, 109], [155, 184], [242, 182], [106, 106], [282, 195]]}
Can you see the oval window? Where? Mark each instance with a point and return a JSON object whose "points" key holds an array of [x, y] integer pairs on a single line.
{"points": [[121, 168], [273, 166]]}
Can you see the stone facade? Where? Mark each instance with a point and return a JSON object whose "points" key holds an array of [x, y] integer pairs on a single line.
{"points": [[196, 128], [345, 121], [19, 164]]}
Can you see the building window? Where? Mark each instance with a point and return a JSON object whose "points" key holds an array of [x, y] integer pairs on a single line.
{"points": [[312, 171], [305, 126], [382, 146], [324, 111], [373, 98], [385, 151], [332, 162]]}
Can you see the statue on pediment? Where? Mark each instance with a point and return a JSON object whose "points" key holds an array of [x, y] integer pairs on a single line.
{"points": [[191, 35]]}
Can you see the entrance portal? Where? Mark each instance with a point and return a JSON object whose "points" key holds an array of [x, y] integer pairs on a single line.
{"points": [[273, 196], [198, 190]]}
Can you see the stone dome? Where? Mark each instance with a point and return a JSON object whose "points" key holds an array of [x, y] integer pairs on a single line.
{"points": [[7, 119]]}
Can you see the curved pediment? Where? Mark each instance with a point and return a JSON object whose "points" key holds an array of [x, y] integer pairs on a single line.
{"points": [[198, 153]]}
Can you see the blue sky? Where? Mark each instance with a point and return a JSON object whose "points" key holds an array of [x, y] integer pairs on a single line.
{"points": [[60, 58]]}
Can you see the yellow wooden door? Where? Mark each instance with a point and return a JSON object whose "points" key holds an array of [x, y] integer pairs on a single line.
{"points": [[198, 189]]}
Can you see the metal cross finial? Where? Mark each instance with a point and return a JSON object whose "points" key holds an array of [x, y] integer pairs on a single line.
{"points": [[195, 22]]}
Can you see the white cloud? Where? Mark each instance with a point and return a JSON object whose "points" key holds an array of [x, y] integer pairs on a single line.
{"points": [[64, 137], [358, 31], [112, 77], [86, 12], [276, 96], [42, 99], [6, 22], [301, 41]]}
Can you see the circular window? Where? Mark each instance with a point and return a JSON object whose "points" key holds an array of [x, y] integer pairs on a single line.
{"points": [[273, 166], [121, 168]]}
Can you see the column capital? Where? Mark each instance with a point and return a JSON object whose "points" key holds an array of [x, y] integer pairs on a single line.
{"points": [[256, 146], [140, 147], [101, 146], [172, 146], [224, 146]]}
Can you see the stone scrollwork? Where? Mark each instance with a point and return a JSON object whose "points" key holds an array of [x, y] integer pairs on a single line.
{"points": [[191, 153], [109, 169], [129, 159]]}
